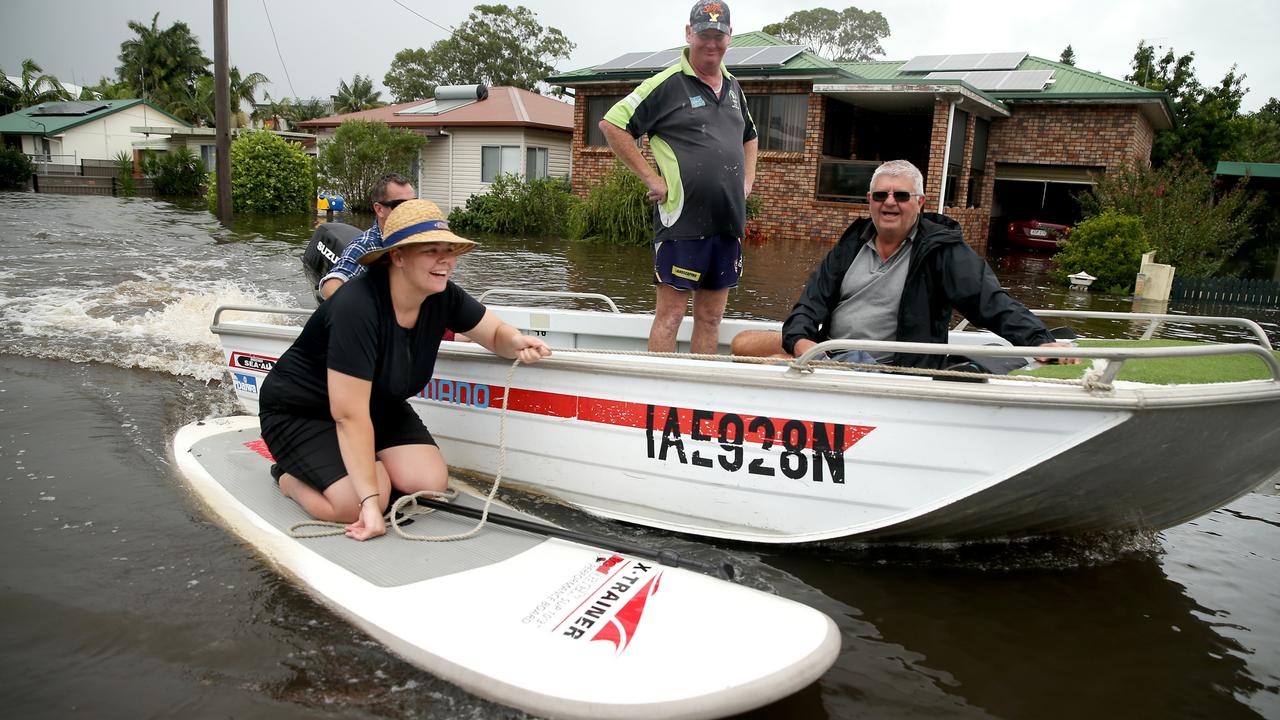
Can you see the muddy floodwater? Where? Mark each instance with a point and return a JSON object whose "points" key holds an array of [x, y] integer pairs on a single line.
{"points": [[120, 599]]}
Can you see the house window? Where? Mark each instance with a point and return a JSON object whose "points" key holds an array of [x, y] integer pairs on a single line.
{"points": [[498, 160], [535, 163], [597, 106], [978, 161], [955, 158], [780, 120]]}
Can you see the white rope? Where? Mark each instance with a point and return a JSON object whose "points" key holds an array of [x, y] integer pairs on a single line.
{"points": [[398, 511]]}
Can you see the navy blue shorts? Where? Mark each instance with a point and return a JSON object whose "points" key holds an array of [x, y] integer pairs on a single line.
{"points": [[307, 447], [709, 263]]}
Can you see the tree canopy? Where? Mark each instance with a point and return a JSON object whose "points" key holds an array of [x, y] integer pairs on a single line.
{"points": [[360, 153], [1208, 118], [846, 36], [162, 65], [496, 45], [1068, 56]]}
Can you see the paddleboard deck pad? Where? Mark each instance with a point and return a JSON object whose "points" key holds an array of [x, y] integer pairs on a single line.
{"points": [[549, 626]]}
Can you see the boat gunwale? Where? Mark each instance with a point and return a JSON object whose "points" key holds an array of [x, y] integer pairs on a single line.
{"points": [[1124, 395]]}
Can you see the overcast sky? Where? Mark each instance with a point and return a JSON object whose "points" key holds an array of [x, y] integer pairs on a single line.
{"points": [[322, 41]]}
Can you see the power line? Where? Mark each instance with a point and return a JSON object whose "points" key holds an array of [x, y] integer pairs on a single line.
{"points": [[278, 53], [415, 12]]}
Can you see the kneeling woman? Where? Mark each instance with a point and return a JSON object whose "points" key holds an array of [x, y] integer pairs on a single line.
{"points": [[335, 411]]}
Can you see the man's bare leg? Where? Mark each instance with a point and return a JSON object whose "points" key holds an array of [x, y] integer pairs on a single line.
{"points": [[758, 343], [708, 310], [668, 313]]}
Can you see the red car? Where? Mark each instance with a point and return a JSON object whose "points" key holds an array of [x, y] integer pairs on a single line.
{"points": [[1036, 235]]}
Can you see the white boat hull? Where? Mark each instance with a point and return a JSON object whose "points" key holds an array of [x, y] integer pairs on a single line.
{"points": [[766, 454]]}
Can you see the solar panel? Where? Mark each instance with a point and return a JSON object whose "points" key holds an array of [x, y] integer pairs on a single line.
{"points": [[1001, 61], [1026, 80], [998, 79], [923, 63], [775, 55], [969, 61], [74, 107], [767, 56], [961, 62], [623, 62]]}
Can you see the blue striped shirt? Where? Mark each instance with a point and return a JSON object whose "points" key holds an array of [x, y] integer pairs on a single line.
{"points": [[347, 268]]}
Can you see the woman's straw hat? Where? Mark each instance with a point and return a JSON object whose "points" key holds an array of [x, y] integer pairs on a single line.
{"points": [[414, 222]]}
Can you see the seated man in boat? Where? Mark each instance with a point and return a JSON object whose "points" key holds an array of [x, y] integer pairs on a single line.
{"points": [[390, 190], [897, 276], [334, 410]]}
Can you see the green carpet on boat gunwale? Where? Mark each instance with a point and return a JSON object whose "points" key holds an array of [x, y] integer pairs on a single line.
{"points": [[1165, 371]]}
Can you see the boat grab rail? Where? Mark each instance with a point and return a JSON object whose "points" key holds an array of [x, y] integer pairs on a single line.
{"points": [[1154, 320], [1115, 357], [551, 293], [261, 309]]}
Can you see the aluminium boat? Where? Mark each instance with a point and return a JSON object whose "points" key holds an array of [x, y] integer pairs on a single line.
{"points": [[807, 451]]}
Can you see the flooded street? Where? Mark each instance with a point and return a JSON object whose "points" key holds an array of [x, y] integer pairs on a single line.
{"points": [[122, 600]]}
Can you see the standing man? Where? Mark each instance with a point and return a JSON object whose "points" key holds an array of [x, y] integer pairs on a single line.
{"points": [[704, 142], [390, 190]]}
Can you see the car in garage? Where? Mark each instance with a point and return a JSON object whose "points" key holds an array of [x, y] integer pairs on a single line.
{"points": [[1036, 234]]}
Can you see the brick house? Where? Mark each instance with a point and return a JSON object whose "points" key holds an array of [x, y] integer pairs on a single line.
{"points": [[991, 154]]}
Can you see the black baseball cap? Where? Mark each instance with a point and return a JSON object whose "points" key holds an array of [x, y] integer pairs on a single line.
{"points": [[710, 15]]}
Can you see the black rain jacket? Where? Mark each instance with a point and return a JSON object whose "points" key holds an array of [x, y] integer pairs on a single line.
{"points": [[945, 274]]}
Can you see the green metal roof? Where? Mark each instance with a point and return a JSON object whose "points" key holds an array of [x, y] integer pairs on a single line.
{"points": [[1248, 169], [1068, 81], [27, 122], [805, 64]]}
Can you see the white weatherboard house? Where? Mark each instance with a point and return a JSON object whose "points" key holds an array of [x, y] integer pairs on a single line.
{"points": [[67, 132], [475, 134]]}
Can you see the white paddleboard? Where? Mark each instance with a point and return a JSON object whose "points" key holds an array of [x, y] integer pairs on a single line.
{"points": [[545, 625]]}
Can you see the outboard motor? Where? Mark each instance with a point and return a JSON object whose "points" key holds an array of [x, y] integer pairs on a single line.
{"points": [[323, 250]]}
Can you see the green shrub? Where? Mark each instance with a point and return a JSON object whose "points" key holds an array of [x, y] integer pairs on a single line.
{"points": [[615, 211], [1109, 247], [1191, 225], [360, 153], [178, 172], [15, 169], [513, 206], [124, 174], [268, 176]]}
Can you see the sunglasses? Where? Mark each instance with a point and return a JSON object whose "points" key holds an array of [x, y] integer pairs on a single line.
{"points": [[899, 195], [393, 204]]}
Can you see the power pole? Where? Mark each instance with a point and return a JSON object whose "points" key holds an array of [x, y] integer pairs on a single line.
{"points": [[222, 111]]}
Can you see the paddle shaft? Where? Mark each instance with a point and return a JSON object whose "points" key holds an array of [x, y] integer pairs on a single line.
{"points": [[723, 569]]}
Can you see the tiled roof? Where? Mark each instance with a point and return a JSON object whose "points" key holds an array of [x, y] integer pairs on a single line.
{"points": [[505, 106]]}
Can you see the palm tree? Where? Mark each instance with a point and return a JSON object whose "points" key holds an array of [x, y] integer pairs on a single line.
{"points": [[36, 88], [106, 90], [243, 89], [162, 65], [357, 96]]}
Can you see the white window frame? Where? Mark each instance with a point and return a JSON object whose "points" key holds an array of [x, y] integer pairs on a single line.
{"points": [[510, 161]]}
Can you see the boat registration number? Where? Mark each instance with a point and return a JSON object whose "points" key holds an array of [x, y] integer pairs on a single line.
{"points": [[717, 441]]}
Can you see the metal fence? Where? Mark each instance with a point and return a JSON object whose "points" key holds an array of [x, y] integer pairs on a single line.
{"points": [[1226, 291], [80, 185]]}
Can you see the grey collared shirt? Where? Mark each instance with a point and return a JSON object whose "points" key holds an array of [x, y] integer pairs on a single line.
{"points": [[870, 294]]}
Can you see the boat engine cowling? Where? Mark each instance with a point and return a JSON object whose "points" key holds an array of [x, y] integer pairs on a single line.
{"points": [[323, 250]]}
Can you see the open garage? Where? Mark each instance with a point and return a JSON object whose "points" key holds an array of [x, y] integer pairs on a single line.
{"points": [[1046, 193]]}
